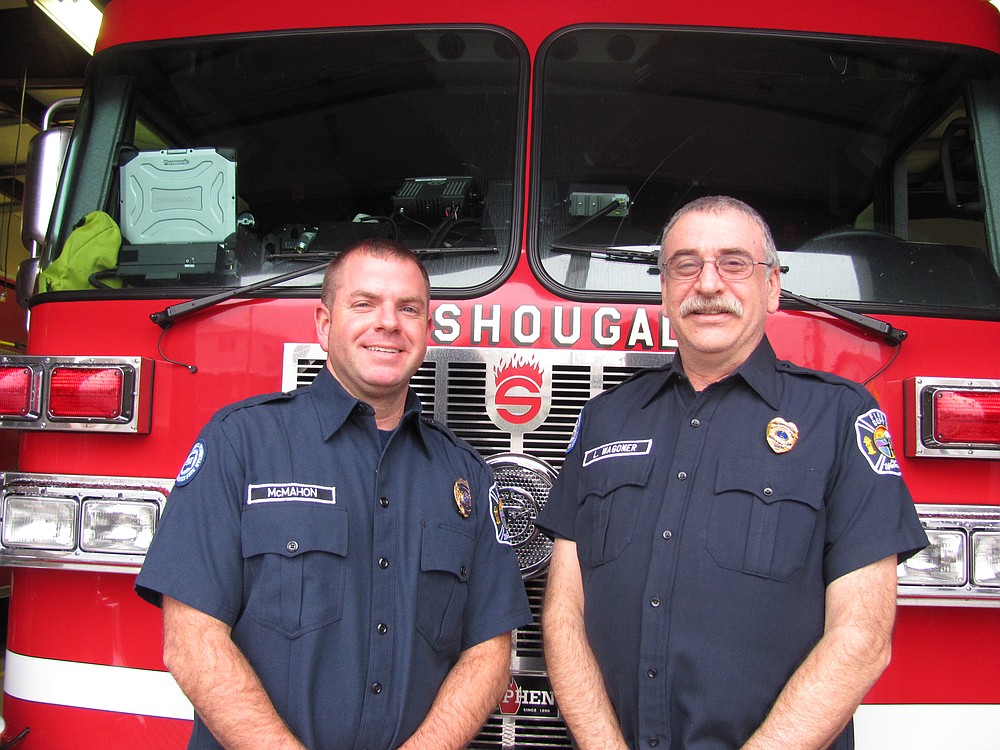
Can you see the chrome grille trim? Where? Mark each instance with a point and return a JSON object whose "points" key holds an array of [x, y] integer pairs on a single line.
{"points": [[461, 374]]}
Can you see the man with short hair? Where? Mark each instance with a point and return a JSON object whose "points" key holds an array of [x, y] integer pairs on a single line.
{"points": [[330, 565], [727, 526]]}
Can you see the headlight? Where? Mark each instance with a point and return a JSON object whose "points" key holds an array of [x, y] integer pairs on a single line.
{"points": [[942, 563], [39, 522], [986, 558], [117, 526]]}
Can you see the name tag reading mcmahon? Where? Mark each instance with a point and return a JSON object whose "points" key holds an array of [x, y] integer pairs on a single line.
{"points": [[290, 492], [618, 450]]}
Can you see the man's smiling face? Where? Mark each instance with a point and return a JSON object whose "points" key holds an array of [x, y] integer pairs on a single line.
{"points": [[717, 320], [375, 331]]}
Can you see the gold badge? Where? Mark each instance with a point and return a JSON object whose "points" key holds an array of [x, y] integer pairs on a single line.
{"points": [[463, 498], [781, 435]]}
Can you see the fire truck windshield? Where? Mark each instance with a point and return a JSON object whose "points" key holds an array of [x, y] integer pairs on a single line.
{"points": [[860, 154], [231, 161]]}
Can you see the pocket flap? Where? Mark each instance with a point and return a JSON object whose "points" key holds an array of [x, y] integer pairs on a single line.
{"points": [[447, 549], [627, 472], [292, 528], [771, 481]]}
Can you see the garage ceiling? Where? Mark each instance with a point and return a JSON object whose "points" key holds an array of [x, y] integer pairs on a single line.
{"points": [[39, 64]]}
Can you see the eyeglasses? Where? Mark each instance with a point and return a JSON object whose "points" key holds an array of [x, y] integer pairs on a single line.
{"points": [[730, 267]]}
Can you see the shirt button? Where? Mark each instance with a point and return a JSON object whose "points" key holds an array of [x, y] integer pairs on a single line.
{"points": [[696, 423], [768, 492], [651, 673], [377, 688], [655, 601], [682, 475], [667, 533], [360, 408], [292, 546], [654, 741], [463, 571], [382, 628], [384, 502], [383, 563]]}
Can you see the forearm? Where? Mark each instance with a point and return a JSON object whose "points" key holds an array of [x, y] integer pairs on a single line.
{"points": [[822, 695], [219, 682], [819, 699], [472, 689], [573, 669]]}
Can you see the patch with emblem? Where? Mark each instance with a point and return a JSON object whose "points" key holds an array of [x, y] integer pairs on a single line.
{"points": [[781, 435], [463, 498], [618, 449], [499, 519], [191, 464], [875, 443], [284, 492], [576, 433]]}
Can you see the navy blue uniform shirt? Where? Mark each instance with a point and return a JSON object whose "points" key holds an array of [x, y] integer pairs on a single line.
{"points": [[708, 526], [352, 577]]}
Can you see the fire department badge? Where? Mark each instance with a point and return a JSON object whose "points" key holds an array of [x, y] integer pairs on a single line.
{"points": [[781, 435], [191, 464], [463, 497], [499, 520], [875, 443]]}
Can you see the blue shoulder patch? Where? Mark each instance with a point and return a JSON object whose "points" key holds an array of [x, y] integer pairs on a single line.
{"points": [[191, 464], [576, 433]]}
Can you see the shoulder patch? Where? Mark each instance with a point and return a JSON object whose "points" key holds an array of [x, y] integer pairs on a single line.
{"points": [[499, 519], [875, 444], [191, 464], [576, 433]]}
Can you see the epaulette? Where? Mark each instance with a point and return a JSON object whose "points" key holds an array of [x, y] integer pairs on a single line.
{"points": [[827, 377], [638, 375], [247, 403], [448, 433]]}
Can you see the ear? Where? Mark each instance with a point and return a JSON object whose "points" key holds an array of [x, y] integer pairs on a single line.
{"points": [[322, 315], [773, 290]]}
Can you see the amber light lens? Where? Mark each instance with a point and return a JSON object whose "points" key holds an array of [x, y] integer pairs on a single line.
{"points": [[86, 392], [15, 391], [967, 417]]}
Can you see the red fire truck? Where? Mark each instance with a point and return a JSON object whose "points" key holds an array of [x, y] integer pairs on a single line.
{"points": [[530, 152]]}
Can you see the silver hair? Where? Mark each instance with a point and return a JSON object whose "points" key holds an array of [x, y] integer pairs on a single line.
{"points": [[717, 204]]}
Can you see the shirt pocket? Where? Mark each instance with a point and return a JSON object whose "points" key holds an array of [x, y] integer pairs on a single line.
{"points": [[294, 554], [764, 516], [607, 518], [445, 566]]}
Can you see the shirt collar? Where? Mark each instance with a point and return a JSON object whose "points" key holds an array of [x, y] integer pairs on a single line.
{"points": [[758, 371], [334, 405]]}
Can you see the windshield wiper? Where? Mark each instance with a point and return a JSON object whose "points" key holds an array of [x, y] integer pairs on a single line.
{"points": [[624, 253], [648, 254], [165, 318], [892, 335]]}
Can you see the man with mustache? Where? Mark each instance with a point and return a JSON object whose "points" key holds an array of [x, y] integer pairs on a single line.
{"points": [[332, 566], [727, 527]]}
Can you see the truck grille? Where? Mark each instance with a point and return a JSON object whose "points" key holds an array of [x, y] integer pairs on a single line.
{"points": [[458, 387]]}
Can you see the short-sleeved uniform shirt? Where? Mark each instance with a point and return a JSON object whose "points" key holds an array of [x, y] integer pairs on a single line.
{"points": [[708, 526], [352, 576]]}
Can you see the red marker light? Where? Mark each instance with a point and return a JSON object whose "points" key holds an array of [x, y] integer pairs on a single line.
{"points": [[86, 393], [969, 417], [15, 391]]}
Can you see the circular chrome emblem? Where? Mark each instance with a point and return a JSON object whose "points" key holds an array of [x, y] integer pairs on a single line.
{"points": [[524, 483]]}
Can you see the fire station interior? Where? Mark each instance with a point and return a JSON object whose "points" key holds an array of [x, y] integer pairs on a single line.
{"points": [[39, 64]]}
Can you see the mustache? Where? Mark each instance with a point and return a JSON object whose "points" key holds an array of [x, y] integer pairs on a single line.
{"points": [[711, 306]]}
